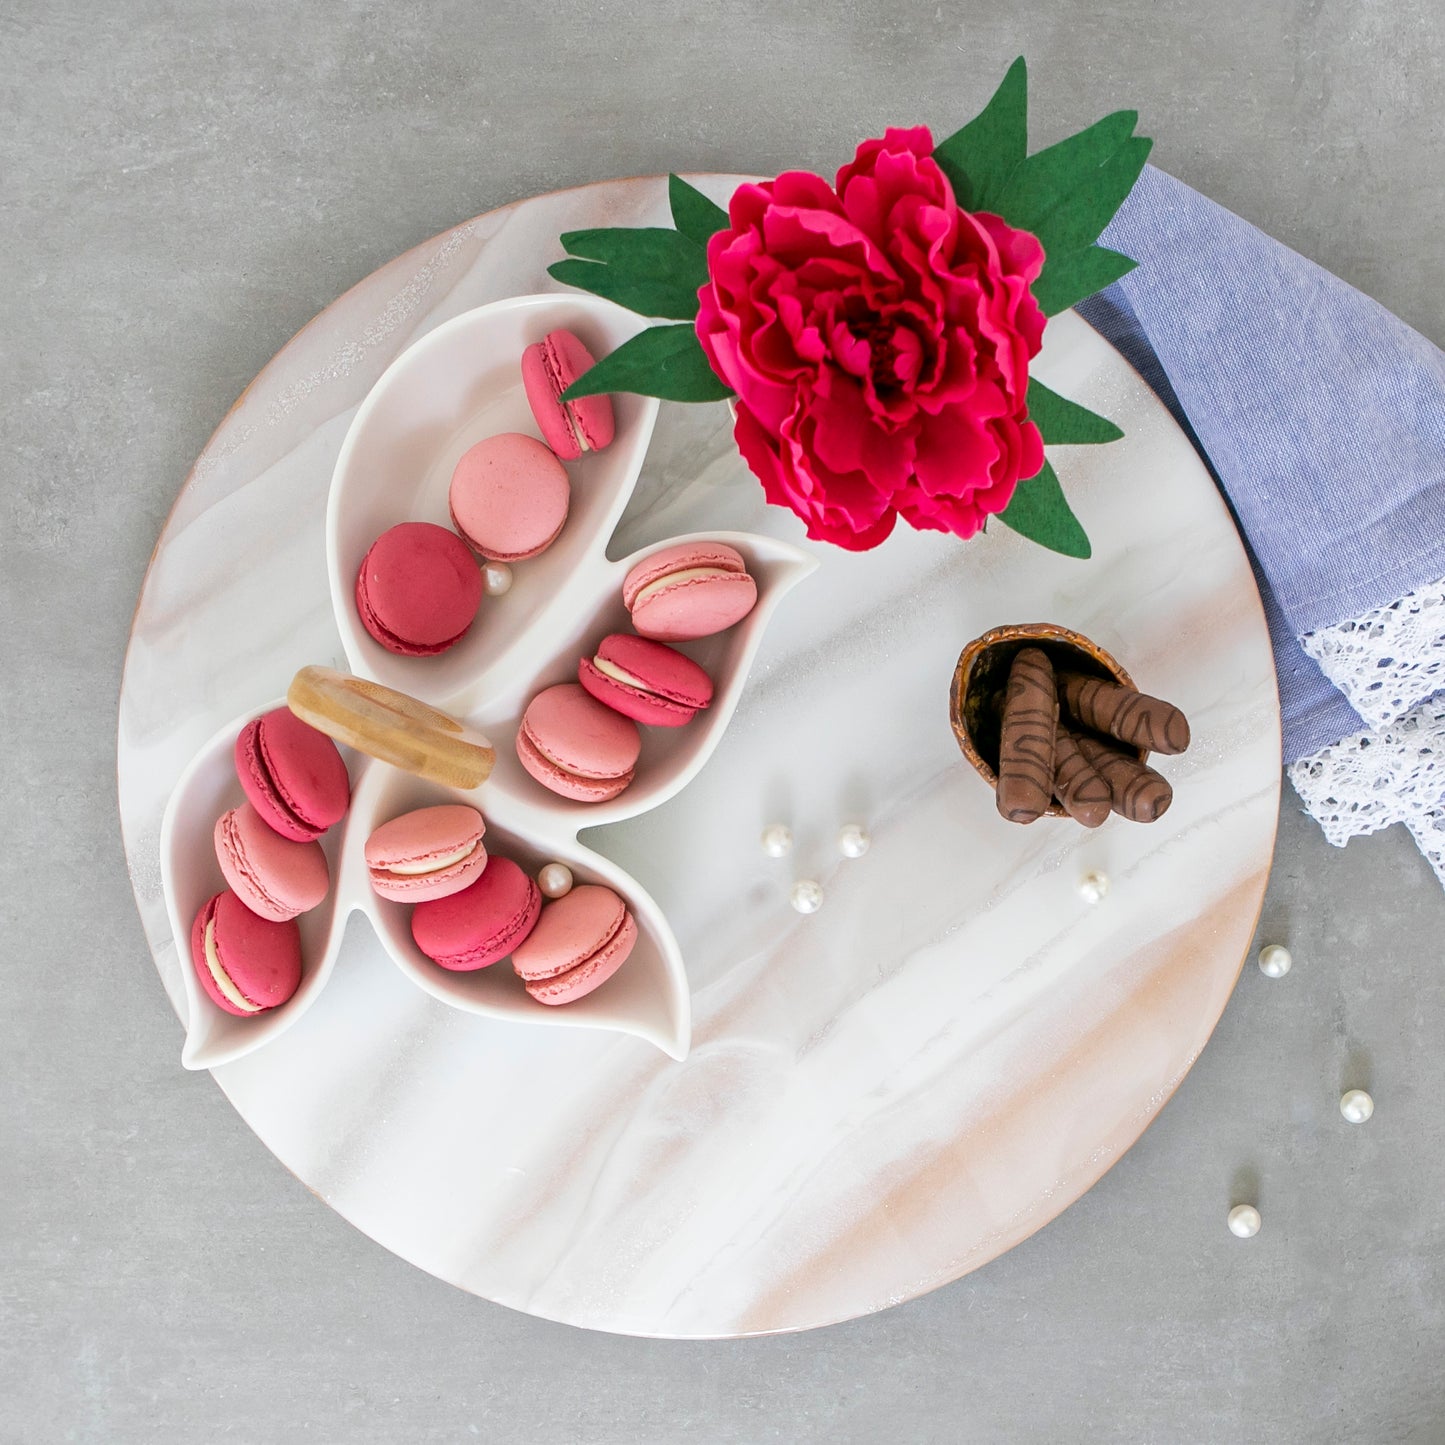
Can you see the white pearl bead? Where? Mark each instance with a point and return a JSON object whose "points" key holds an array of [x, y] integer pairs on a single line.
{"points": [[555, 880], [777, 840], [1094, 887], [806, 897], [1274, 961], [1357, 1106], [1244, 1221], [496, 579], [853, 840]]}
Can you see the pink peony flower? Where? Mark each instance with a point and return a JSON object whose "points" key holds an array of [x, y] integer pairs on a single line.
{"points": [[878, 339]]}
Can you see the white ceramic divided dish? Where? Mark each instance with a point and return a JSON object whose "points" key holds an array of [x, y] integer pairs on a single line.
{"points": [[460, 383]]}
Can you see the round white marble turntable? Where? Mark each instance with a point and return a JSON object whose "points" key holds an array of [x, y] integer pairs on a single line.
{"points": [[881, 1095]]}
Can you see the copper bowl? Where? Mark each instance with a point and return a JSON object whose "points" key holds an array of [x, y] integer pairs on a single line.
{"points": [[979, 681]]}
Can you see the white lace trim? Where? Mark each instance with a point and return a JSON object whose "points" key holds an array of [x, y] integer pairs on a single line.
{"points": [[1388, 660], [1392, 774]]}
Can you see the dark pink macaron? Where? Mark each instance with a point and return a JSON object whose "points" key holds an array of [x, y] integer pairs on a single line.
{"points": [[418, 589], [273, 876], [688, 590], [483, 923], [647, 681], [579, 942], [246, 964], [577, 746], [508, 497], [570, 428], [427, 853], [292, 775]]}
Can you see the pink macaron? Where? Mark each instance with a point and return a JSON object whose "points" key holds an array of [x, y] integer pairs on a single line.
{"points": [[418, 589], [647, 681], [509, 497], [292, 775], [483, 923], [273, 876], [570, 428], [577, 746], [428, 853], [579, 942], [690, 590], [245, 963]]}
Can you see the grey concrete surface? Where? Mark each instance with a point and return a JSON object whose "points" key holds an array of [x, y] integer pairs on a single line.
{"points": [[184, 186]]}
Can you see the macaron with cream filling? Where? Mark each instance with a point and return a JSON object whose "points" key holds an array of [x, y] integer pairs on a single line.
{"points": [[647, 681], [246, 964], [427, 853], [689, 590]]}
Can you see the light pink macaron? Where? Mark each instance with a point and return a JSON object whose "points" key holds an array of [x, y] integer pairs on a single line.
{"points": [[570, 428], [689, 590], [509, 496], [579, 942], [275, 877], [427, 853], [577, 746]]}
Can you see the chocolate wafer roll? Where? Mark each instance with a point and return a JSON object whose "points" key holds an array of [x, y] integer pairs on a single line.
{"points": [[1132, 717], [1077, 784], [1137, 791], [1026, 738]]}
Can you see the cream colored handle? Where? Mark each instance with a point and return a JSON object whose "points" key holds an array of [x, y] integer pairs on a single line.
{"points": [[391, 727]]}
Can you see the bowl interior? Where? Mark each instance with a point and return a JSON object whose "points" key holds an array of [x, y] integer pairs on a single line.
{"points": [[985, 682], [646, 997], [670, 757], [190, 875], [460, 384]]}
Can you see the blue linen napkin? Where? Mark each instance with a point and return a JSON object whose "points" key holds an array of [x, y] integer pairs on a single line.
{"points": [[1322, 417]]}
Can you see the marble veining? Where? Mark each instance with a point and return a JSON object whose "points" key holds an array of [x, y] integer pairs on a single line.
{"points": [[879, 1097]]}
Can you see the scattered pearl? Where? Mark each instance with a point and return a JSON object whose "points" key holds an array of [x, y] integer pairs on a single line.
{"points": [[555, 880], [496, 579], [1094, 887], [777, 840], [806, 897], [1274, 961], [1244, 1221], [853, 840], [1357, 1106]]}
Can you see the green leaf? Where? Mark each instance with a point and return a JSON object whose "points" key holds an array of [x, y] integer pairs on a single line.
{"points": [[1036, 187], [648, 294], [1064, 422], [1040, 513], [1079, 217], [649, 269], [664, 361], [979, 159], [695, 215], [1069, 276]]}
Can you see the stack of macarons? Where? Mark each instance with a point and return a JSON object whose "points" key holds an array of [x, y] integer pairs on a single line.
{"points": [[419, 588], [580, 739], [474, 909], [245, 945]]}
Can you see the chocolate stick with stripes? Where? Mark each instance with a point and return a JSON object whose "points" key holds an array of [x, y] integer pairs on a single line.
{"points": [[1077, 785], [1132, 717], [1026, 738], [1138, 792]]}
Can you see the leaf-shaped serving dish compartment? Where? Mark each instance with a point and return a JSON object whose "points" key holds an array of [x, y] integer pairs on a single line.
{"points": [[456, 385], [190, 875]]}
